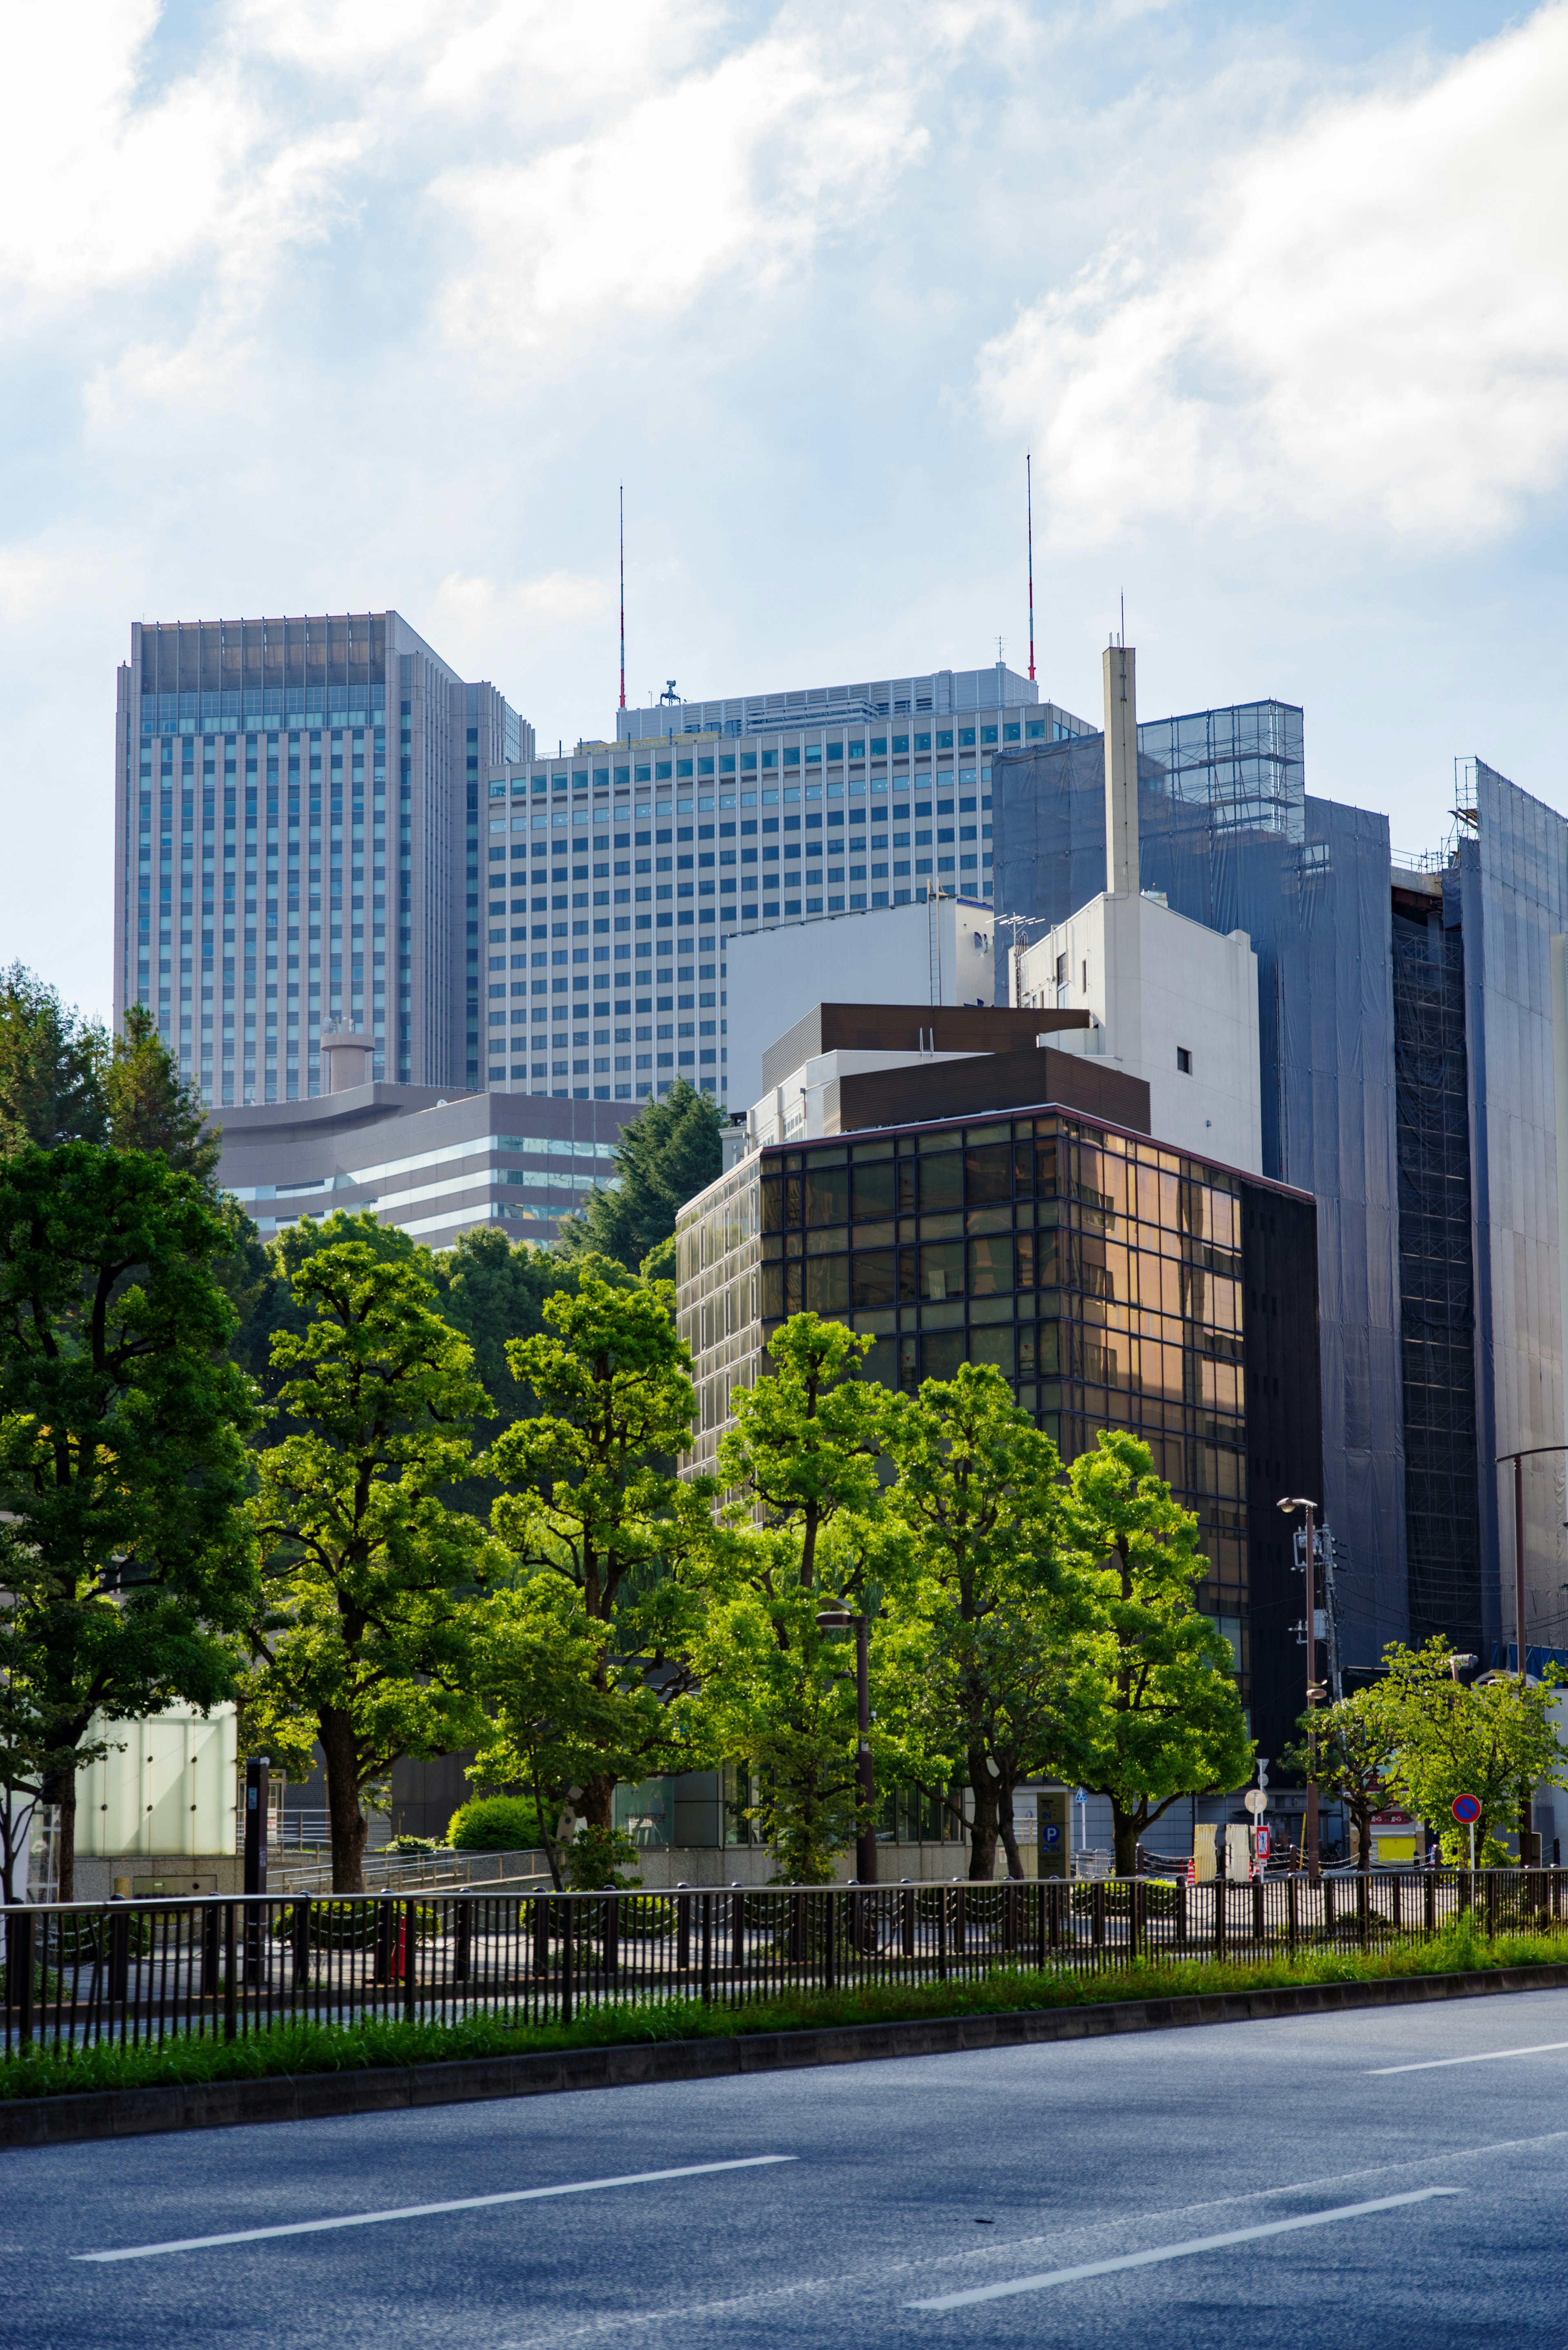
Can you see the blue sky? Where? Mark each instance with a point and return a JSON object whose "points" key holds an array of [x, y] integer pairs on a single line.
{"points": [[337, 304]]}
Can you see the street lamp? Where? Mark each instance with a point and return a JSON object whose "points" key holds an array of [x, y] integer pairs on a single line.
{"points": [[1314, 1688], [841, 1619]]}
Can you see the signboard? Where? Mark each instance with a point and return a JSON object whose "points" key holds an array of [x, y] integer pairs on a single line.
{"points": [[1467, 1810], [1392, 1819], [1260, 1842], [1025, 1819], [1256, 1801]]}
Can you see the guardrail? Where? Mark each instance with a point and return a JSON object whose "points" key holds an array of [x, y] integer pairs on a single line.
{"points": [[144, 1970], [400, 1871]]}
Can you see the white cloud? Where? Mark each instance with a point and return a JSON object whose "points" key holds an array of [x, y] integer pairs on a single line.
{"points": [[728, 173], [1365, 330]]}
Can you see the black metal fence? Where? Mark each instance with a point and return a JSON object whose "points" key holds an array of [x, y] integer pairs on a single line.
{"points": [[137, 1972]]}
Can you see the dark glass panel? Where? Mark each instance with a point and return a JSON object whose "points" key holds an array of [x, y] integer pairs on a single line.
{"points": [[943, 1352], [882, 1362], [876, 1189], [941, 1182], [773, 1293], [1024, 1168], [994, 1345], [773, 1203], [876, 1277], [1024, 1245], [826, 1193], [827, 1284], [988, 1173], [990, 1265], [941, 1269]]}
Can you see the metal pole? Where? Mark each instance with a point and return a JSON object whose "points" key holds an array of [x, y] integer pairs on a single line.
{"points": [[1312, 1856], [865, 1848], [257, 1773]]}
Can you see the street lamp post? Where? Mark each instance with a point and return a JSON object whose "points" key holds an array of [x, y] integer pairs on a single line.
{"points": [[841, 1619], [1314, 1688]]}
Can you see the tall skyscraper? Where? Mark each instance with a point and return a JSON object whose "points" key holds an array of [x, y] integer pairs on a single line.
{"points": [[261, 890]]}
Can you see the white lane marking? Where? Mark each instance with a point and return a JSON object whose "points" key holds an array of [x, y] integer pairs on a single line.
{"points": [[1178, 2252], [1486, 2056], [427, 2211]]}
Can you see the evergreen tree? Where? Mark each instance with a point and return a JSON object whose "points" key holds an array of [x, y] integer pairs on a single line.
{"points": [[51, 1063], [150, 1106], [670, 1151]]}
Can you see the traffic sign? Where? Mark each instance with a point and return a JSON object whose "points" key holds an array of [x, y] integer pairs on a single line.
{"points": [[1256, 1801], [1467, 1810], [1260, 1842]]}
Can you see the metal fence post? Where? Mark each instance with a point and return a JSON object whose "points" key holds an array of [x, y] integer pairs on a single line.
{"points": [[461, 1913], [1429, 1904], [683, 1933], [831, 1951], [738, 1933], [119, 1955], [1363, 1912], [1293, 1913], [565, 1903], [942, 1933], [231, 1973], [907, 1905], [707, 1902], [19, 1970], [1137, 1897], [301, 1945], [612, 1936], [1491, 1902], [411, 1960]]}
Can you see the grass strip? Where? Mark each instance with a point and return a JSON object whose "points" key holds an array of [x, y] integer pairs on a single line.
{"points": [[186, 2059]]}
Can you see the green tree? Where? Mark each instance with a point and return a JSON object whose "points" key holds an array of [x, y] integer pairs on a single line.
{"points": [[983, 1562], [559, 1718], [1170, 1721], [150, 1107], [50, 1068], [777, 1696], [669, 1152], [591, 1498], [1492, 1739], [122, 1471], [1354, 1757], [493, 1290], [363, 1646]]}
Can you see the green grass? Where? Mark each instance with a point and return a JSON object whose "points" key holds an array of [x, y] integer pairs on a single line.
{"points": [[305, 2047]]}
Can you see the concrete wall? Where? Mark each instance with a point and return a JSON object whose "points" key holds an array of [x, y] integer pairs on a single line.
{"points": [[167, 1789], [1159, 985], [925, 953]]}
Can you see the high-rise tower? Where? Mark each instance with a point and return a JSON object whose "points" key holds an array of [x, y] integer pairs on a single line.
{"points": [[263, 888]]}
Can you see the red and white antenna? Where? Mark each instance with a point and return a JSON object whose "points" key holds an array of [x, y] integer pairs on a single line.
{"points": [[623, 596], [1029, 513]]}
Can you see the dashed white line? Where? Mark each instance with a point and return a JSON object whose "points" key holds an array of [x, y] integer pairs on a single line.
{"points": [[1486, 2056], [1178, 2252], [428, 2210]]}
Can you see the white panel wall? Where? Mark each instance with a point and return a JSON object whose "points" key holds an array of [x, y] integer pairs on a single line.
{"points": [[167, 1786], [935, 953]]}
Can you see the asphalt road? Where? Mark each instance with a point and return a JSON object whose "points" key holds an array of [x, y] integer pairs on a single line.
{"points": [[1251, 2184]]}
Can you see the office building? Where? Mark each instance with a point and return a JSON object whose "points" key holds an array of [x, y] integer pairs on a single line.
{"points": [[258, 764], [433, 1166], [1116, 1283], [615, 874]]}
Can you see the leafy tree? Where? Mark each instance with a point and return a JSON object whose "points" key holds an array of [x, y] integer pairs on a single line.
{"points": [[1492, 1739], [150, 1106], [592, 1500], [50, 1064], [493, 1290], [1170, 1722], [1000, 1691], [122, 1469], [277, 1304], [364, 1645], [559, 1718], [802, 1463], [667, 1154], [1354, 1757]]}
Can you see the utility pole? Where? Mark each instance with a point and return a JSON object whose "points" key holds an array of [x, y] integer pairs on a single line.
{"points": [[1314, 1688]]}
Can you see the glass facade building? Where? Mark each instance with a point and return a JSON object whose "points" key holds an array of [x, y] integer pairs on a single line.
{"points": [[288, 798], [1114, 1282]]}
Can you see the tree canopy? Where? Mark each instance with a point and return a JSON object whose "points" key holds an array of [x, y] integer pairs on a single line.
{"points": [[667, 1153]]}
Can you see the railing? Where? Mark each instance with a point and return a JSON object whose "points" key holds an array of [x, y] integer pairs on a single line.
{"points": [[402, 1872], [142, 1971]]}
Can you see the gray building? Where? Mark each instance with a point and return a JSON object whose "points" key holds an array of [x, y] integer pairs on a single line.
{"points": [[435, 1167], [261, 889], [617, 874]]}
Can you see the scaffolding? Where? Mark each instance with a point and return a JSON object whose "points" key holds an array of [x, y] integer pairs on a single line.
{"points": [[1436, 1274]]}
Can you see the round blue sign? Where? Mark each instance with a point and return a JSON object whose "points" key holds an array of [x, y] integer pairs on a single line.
{"points": [[1467, 1810]]}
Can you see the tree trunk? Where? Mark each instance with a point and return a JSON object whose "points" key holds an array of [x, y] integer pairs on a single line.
{"points": [[344, 1818], [1126, 1829], [983, 1830], [1364, 1841], [1009, 1835], [598, 1805], [61, 1787]]}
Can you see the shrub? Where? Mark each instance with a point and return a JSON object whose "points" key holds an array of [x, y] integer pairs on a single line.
{"points": [[412, 1844], [495, 1824]]}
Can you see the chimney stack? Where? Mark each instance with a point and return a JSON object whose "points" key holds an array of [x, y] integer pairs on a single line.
{"points": [[1121, 772]]}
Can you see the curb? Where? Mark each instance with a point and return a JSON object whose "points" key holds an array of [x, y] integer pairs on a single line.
{"points": [[291, 2097]]}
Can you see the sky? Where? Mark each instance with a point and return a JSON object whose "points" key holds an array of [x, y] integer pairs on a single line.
{"points": [[338, 305]]}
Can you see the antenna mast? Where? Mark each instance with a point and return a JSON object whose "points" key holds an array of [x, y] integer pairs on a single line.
{"points": [[1029, 512], [623, 595]]}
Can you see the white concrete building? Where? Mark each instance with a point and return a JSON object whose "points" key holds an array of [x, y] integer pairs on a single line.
{"points": [[939, 951]]}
